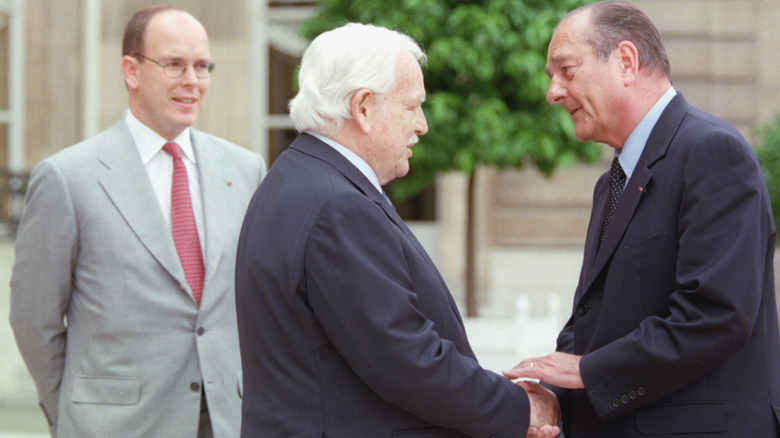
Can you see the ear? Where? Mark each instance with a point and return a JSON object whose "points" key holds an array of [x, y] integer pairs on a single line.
{"points": [[629, 61], [130, 71], [361, 108]]}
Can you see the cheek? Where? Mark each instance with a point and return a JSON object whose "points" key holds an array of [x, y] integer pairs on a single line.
{"points": [[400, 150], [154, 100]]}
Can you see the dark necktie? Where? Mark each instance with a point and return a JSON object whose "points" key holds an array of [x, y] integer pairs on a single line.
{"points": [[617, 180], [183, 227]]}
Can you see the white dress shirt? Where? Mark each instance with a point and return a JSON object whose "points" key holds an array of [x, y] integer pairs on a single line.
{"points": [[635, 143], [159, 167], [353, 158]]}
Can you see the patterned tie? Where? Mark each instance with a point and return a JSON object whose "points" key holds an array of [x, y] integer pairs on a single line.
{"points": [[185, 231], [617, 180]]}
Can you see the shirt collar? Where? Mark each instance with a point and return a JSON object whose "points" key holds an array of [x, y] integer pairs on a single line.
{"points": [[149, 143], [635, 144], [353, 158]]}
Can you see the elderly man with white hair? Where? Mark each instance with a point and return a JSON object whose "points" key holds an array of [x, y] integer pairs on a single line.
{"points": [[346, 327]]}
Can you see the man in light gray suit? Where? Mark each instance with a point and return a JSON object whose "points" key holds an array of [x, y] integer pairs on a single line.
{"points": [[126, 333]]}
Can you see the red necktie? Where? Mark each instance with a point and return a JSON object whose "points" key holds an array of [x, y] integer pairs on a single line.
{"points": [[185, 231]]}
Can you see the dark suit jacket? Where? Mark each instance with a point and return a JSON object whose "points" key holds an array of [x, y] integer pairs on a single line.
{"points": [[346, 327], [675, 314]]}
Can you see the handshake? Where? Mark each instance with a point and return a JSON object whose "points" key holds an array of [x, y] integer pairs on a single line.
{"points": [[558, 369]]}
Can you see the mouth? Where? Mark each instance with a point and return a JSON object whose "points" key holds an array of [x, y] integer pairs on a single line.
{"points": [[186, 100], [574, 113]]}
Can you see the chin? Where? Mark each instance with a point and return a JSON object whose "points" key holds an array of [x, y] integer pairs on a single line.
{"points": [[583, 137]]}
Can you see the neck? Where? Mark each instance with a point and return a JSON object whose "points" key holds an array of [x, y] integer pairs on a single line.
{"points": [[349, 138], [645, 94]]}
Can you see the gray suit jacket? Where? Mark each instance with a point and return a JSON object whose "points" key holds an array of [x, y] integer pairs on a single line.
{"points": [[100, 307]]}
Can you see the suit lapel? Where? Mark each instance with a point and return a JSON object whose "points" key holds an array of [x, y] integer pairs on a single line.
{"points": [[596, 219], [641, 180], [621, 218], [392, 214], [139, 207], [215, 190]]}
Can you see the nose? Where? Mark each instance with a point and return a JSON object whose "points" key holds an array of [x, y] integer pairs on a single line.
{"points": [[556, 93], [422, 124], [189, 75]]}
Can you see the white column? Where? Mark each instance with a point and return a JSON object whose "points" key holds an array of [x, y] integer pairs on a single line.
{"points": [[16, 87], [259, 76], [90, 66]]}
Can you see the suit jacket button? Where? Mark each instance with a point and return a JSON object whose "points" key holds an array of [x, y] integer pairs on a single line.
{"points": [[632, 395], [201, 330], [195, 386], [624, 399], [615, 403], [582, 310], [640, 391]]}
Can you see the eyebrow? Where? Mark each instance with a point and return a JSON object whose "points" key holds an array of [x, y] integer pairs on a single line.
{"points": [[182, 58], [558, 59]]}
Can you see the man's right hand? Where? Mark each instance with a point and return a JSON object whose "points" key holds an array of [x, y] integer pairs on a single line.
{"points": [[545, 410]]}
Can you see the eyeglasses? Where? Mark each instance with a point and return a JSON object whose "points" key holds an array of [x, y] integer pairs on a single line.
{"points": [[176, 69]]}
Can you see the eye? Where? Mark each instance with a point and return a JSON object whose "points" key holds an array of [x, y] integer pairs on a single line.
{"points": [[174, 64], [569, 70]]}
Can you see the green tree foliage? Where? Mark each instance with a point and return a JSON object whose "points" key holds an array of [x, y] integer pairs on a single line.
{"points": [[768, 153], [485, 82]]}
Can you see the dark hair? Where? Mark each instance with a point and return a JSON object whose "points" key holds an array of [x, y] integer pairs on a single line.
{"points": [[133, 41], [616, 21]]}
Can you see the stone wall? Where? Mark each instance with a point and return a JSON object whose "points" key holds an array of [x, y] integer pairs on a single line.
{"points": [[723, 61], [722, 54]]}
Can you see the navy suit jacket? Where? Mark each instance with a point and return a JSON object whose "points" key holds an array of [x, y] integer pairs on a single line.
{"points": [[675, 313], [346, 327]]}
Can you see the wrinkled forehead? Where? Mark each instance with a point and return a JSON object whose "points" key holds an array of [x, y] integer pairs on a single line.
{"points": [[409, 75], [569, 43]]}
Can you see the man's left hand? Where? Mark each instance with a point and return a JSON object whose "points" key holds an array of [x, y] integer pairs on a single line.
{"points": [[557, 369]]}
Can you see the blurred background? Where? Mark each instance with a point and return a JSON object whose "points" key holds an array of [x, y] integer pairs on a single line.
{"points": [[506, 230]]}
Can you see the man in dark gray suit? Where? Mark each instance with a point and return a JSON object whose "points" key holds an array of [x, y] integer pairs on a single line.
{"points": [[345, 325], [674, 327], [122, 298]]}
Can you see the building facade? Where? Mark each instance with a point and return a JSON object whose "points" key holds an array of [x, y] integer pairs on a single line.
{"points": [[69, 86]]}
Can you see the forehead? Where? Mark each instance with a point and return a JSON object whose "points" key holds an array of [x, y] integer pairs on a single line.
{"points": [[176, 31], [409, 76], [569, 42]]}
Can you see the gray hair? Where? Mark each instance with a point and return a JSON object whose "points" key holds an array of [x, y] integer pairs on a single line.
{"points": [[616, 21], [340, 62]]}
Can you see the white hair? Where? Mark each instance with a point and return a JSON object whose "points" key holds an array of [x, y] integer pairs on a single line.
{"points": [[340, 62]]}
